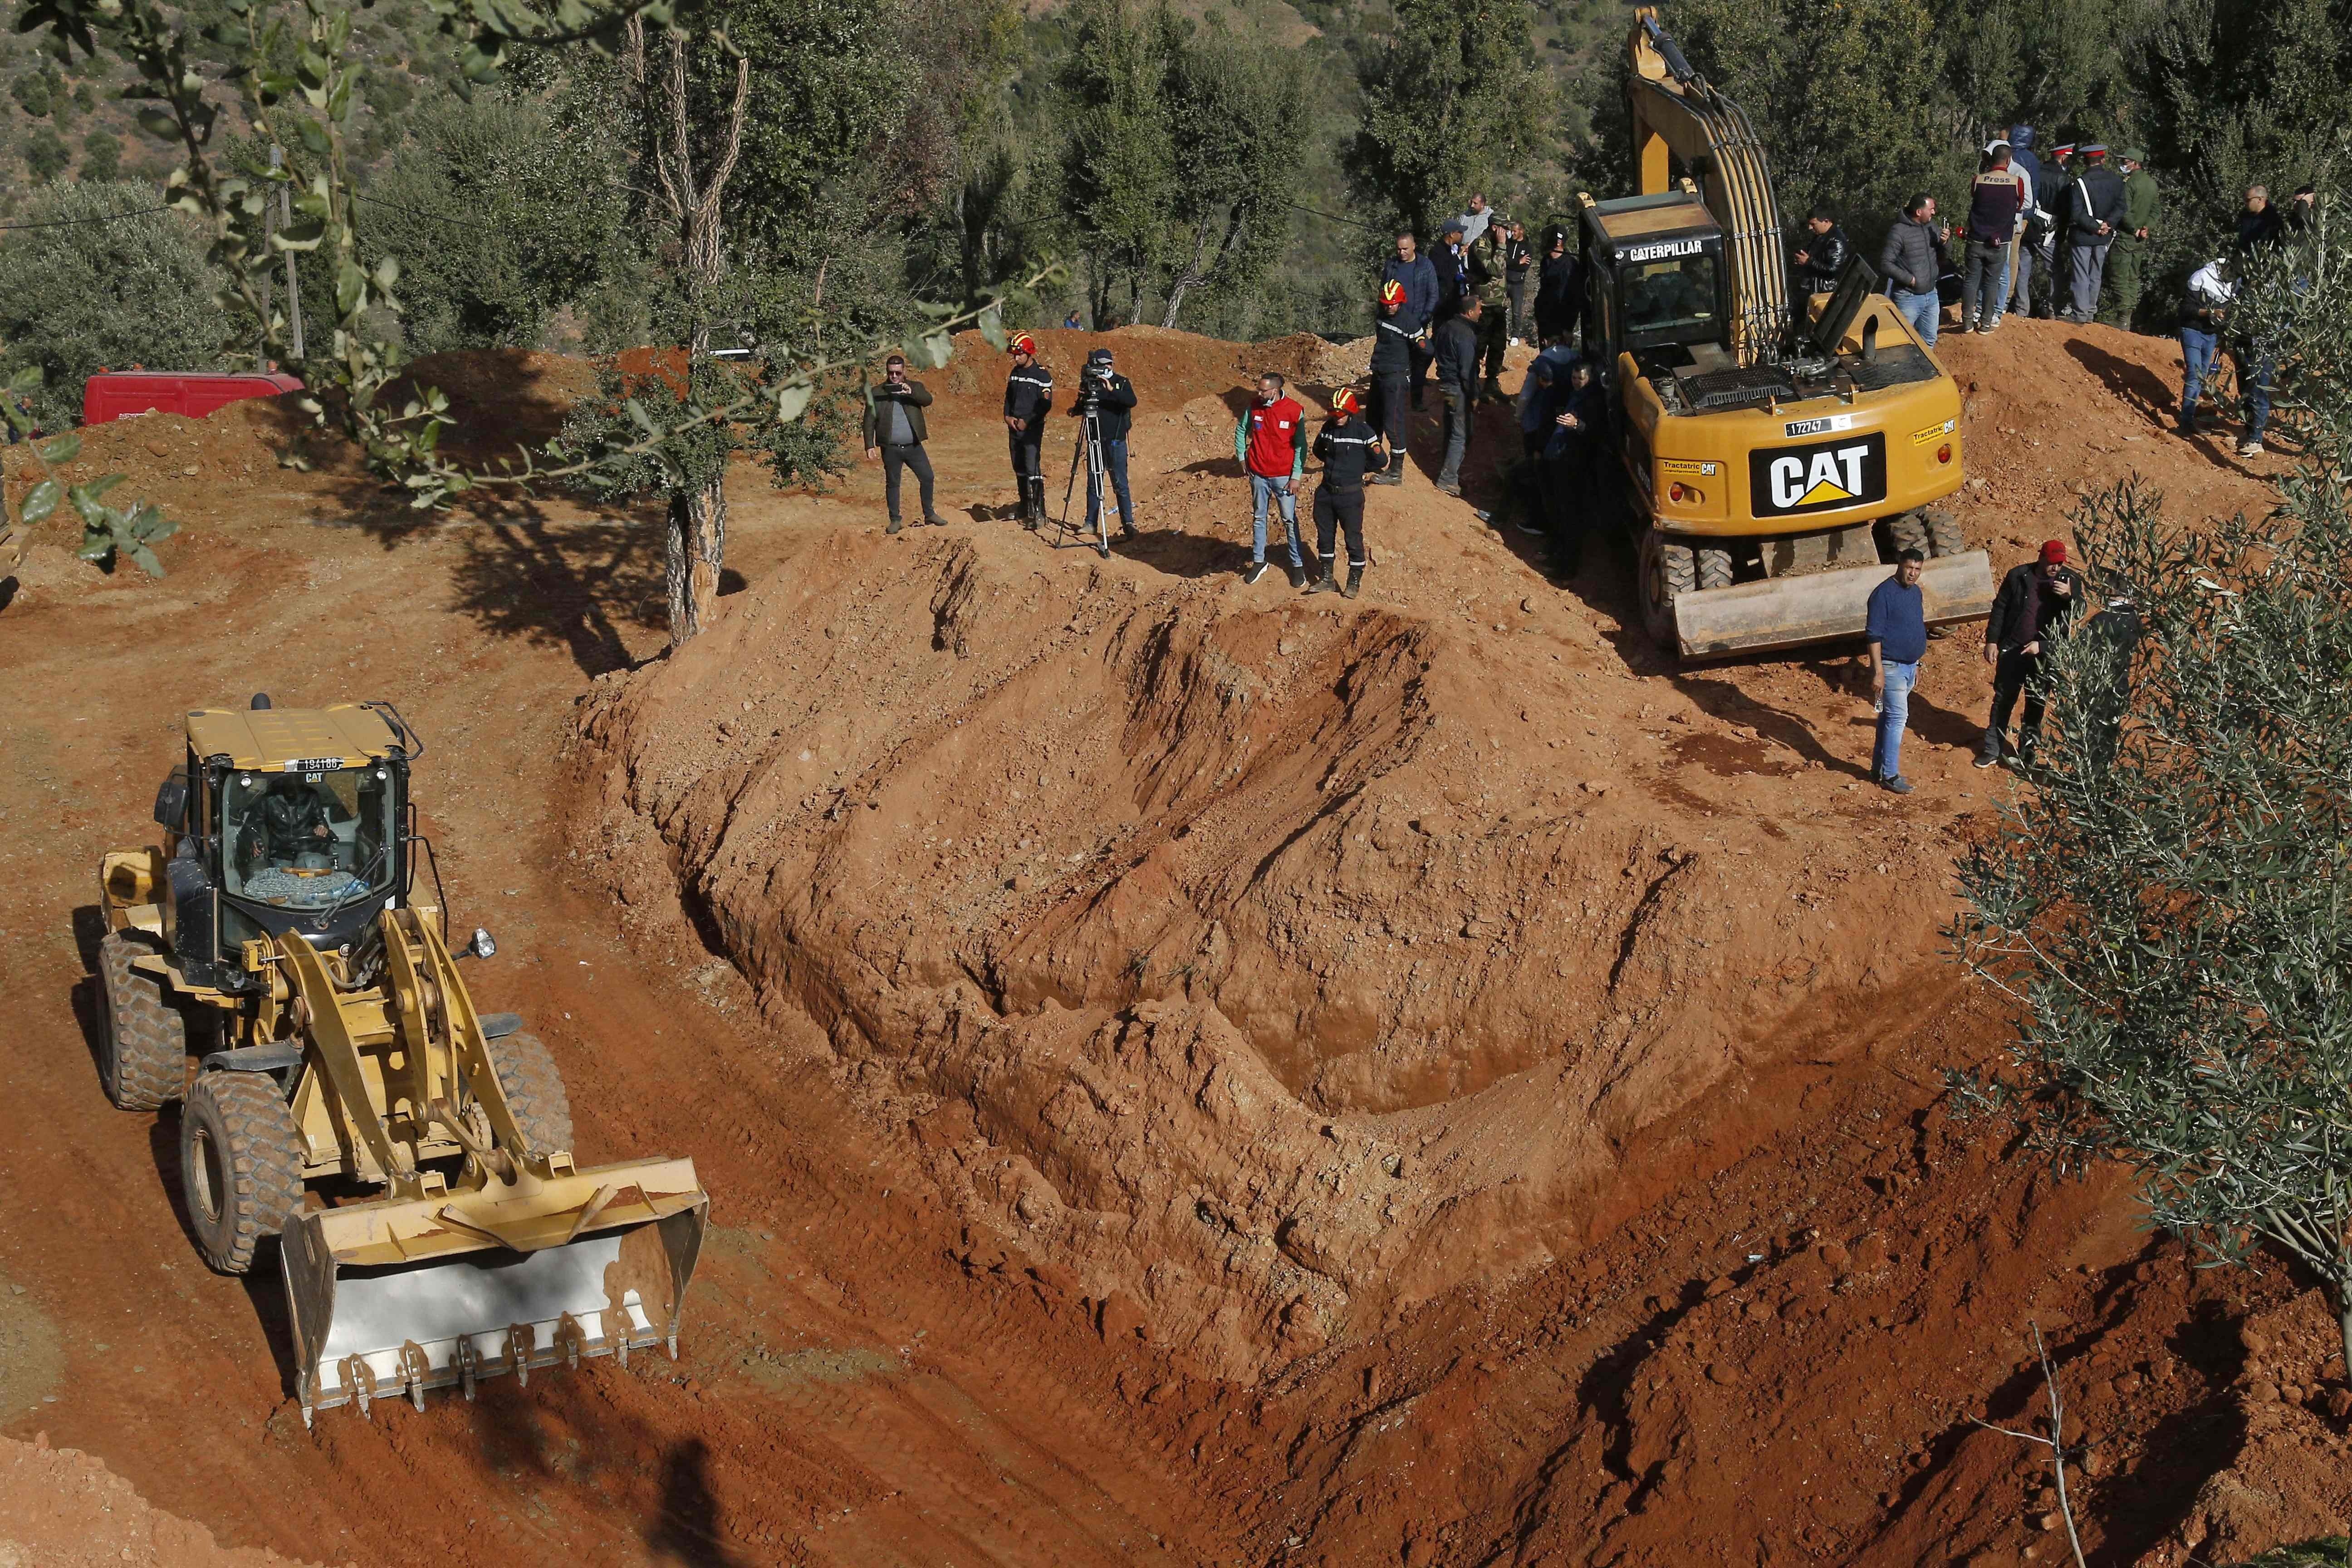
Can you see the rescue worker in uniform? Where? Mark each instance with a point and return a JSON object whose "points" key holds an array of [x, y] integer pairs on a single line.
{"points": [[1028, 398], [2143, 209], [1349, 448], [1392, 364]]}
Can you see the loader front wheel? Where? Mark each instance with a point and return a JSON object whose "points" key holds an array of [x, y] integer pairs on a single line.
{"points": [[1944, 536], [240, 1165], [535, 1090], [1714, 569], [143, 1047], [1907, 531], [1666, 571]]}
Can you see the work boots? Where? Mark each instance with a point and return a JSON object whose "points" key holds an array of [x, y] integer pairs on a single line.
{"points": [[1033, 502], [1327, 583], [1355, 580]]}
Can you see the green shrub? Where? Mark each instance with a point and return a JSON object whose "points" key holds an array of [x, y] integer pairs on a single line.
{"points": [[101, 157], [46, 154]]}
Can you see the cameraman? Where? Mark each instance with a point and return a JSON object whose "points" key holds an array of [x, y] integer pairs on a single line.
{"points": [[1110, 398]]}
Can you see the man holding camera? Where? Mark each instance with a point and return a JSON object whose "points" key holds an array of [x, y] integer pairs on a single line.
{"points": [[1106, 399], [1028, 398], [895, 433]]}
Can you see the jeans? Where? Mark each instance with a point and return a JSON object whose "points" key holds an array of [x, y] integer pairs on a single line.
{"points": [[1886, 757], [895, 459], [1337, 511], [2015, 674], [2016, 276], [2255, 381], [1457, 430], [1114, 455], [1922, 310], [1518, 293], [1282, 489], [2197, 348], [2087, 264], [1982, 291]]}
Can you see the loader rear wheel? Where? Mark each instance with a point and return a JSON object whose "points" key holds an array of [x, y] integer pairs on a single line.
{"points": [[1944, 534], [142, 1058], [1665, 571], [1905, 531], [1715, 568], [535, 1090], [240, 1165]]}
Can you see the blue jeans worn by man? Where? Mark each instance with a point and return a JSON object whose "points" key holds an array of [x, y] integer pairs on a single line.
{"points": [[2086, 265], [1115, 470], [1983, 285], [2198, 349], [1282, 490], [2253, 380], [1922, 310], [1894, 712]]}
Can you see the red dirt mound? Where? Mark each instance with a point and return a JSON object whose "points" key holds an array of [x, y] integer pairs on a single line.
{"points": [[62, 1508]]}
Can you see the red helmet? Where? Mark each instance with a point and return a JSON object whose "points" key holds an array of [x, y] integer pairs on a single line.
{"points": [[1346, 401], [1023, 343], [1391, 292]]}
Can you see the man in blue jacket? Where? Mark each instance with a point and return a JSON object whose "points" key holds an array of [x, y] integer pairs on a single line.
{"points": [[1412, 271], [1897, 626]]}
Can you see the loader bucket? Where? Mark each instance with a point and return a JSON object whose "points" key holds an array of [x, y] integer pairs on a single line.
{"points": [[1823, 606], [396, 1297]]}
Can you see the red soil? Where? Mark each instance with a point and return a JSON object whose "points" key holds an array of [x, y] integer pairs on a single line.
{"points": [[1187, 1074]]}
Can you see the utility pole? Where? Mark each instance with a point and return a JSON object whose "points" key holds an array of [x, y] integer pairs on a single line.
{"points": [[293, 278]]}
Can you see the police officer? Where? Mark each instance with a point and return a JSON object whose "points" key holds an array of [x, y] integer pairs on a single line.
{"points": [[1110, 398], [1349, 448], [2143, 209], [1028, 398], [1394, 347]]}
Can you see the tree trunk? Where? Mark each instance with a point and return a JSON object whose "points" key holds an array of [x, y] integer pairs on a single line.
{"points": [[695, 550]]}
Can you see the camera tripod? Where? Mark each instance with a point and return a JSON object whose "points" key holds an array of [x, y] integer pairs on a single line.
{"points": [[1090, 452]]}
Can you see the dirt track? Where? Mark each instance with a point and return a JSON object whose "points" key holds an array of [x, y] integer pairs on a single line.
{"points": [[1558, 1348]]}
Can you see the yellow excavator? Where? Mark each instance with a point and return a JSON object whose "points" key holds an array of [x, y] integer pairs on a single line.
{"points": [[1779, 454], [267, 967]]}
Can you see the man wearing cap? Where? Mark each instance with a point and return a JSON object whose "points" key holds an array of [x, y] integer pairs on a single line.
{"points": [[1349, 448], [1028, 398], [1110, 398], [2094, 214], [1270, 439], [1895, 622], [2035, 601], [1392, 362], [2143, 206], [1411, 271]]}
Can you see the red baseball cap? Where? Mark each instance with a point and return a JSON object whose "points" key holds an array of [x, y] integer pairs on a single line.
{"points": [[2053, 553]]}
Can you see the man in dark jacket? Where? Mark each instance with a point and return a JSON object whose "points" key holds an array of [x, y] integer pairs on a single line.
{"points": [[1110, 398], [2035, 602], [1412, 271], [2095, 212], [895, 433], [1559, 287], [1455, 350], [1392, 361], [1994, 202], [2263, 222], [1819, 256], [1570, 467], [1348, 449], [1911, 261], [1028, 398], [1519, 260]]}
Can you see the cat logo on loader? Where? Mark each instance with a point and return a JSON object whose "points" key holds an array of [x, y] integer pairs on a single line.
{"points": [[340, 1045]]}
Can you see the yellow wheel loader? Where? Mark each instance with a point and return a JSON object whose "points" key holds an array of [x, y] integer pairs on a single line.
{"points": [[267, 966], [1778, 455]]}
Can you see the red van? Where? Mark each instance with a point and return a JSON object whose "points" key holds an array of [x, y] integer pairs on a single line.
{"points": [[119, 393]]}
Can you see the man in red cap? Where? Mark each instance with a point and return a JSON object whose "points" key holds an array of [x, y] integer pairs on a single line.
{"points": [[1349, 448], [2036, 600], [1394, 339], [1028, 398]]}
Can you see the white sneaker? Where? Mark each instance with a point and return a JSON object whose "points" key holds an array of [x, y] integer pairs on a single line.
{"points": [[2249, 448]]}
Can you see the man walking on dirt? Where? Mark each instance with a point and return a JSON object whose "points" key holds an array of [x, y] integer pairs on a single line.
{"points": [[2031, 611], [1455, 351], [1897, 625], [1393, 358], [2143, 206], [1028, 398], [1270, 440], [895, 433], [1410, 270], [1349, 448]]}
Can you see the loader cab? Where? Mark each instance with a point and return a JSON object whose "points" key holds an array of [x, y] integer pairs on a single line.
{"points": [[288, 820], [1658, 287]]}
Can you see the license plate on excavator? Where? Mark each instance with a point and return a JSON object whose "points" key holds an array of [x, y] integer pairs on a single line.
{"points": [[394, 1298]]}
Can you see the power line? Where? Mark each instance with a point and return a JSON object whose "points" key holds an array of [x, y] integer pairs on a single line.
{"points": [[72, 222]]}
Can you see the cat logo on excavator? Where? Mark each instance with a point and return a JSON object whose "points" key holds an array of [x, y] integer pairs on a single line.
{"points": [[344, 1048]]}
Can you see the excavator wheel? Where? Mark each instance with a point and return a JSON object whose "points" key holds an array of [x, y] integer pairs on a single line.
{"points": [[1907, 531], [1714, 568], [240, 1165], [1665, 571], [142, 1058], [535, 1092], [1944, 534]]}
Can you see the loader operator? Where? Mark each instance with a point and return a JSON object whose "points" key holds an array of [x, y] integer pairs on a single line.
{"points": [[290, 820]]}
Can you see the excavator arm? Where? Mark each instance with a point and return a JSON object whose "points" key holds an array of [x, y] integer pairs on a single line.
{"points": [[1676, 113]]}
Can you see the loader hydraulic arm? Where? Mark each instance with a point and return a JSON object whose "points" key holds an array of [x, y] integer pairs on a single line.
{"points": [[1676, 112]]}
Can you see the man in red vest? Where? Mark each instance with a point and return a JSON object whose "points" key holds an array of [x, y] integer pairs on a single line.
{"points": [[1270, 440]]}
